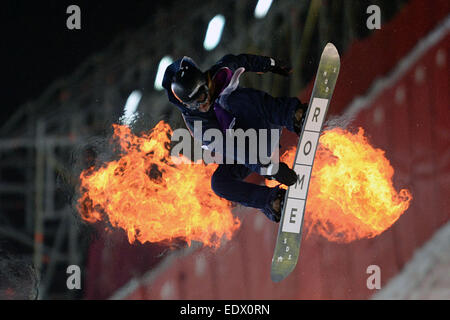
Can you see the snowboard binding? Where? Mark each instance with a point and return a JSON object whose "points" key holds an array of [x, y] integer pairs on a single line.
{"points": [[275, 208]]}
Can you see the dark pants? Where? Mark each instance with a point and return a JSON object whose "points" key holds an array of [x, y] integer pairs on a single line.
{"points": [[227, 182], [253, 109]]}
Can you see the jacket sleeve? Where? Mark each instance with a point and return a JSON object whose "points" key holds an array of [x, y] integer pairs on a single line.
{"points": [[250, 62]]}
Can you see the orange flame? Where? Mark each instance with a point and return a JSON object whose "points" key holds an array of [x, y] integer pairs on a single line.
{"points": [[351, 194], [151, 198]]}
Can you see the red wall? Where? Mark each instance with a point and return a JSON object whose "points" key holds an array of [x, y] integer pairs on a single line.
{"points": [[410, 120]]}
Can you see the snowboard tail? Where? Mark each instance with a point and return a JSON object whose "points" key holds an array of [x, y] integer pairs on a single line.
{"points": [[290, 230]]}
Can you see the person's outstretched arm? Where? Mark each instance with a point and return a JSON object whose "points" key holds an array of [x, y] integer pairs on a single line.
{"points": [[255, 63]]}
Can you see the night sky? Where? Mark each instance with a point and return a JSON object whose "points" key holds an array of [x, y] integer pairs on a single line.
{"points": [[37, 47]]}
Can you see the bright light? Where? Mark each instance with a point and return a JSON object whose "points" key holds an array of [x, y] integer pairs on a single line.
{"points": [[214, 32], [163, 64], [262, 8], [131, 106]]}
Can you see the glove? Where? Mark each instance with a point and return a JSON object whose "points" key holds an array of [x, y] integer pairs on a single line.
{"points": [[280, 67], [285, 175]]}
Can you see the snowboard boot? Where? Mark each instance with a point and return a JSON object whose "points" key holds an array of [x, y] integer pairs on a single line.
{"points": [[299, 118], [273, 211]]}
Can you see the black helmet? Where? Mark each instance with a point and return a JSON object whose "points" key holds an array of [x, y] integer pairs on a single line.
{"points": [[189, 84]]}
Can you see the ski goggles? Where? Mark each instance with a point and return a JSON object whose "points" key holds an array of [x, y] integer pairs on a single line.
{"points": [[198, 97]]}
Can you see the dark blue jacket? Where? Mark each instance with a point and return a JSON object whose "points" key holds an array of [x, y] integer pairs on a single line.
{"points": [[248, 106]]}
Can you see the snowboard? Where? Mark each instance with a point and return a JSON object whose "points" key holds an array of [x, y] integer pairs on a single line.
{"points": [[289, 237]]}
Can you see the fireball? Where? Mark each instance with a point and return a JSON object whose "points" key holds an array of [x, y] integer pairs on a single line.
{"points": [[351, 194], [152, 199]]}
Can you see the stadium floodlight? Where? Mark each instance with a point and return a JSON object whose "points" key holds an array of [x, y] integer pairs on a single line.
{"points": [[163, 64], [131, 106], [262, 7], [214, 32]]}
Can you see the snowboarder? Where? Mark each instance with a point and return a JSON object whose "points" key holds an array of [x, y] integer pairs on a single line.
{"points": [[214, 98]]}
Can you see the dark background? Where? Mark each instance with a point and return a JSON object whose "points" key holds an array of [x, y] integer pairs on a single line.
{"points": [[37, 47]]}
